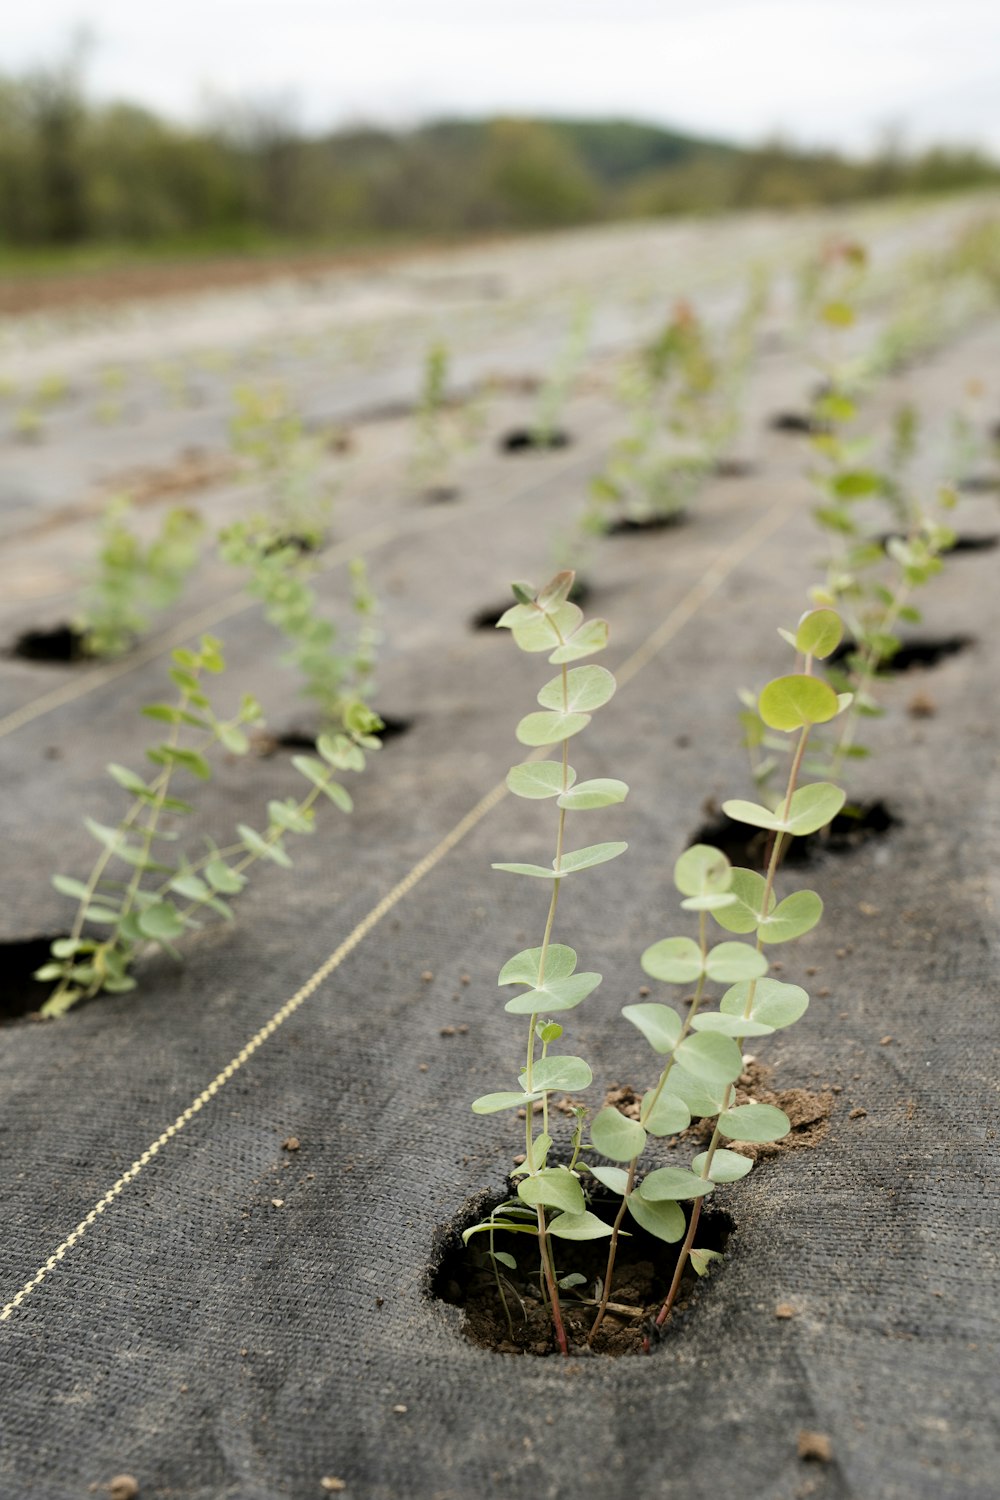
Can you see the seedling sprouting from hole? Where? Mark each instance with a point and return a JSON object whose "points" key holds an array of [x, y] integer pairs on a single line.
{"points": [[141, 892], [132, 581], [288, 461], [550, 1202], [701, 1057], [339, 681]]}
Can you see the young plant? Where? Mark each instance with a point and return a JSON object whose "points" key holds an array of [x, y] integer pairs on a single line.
{"points": [[133, 581], [700, 1058], [269, 435], [550, 1203], [340, 682], [136, 894], [558, 386], [435, 441]]}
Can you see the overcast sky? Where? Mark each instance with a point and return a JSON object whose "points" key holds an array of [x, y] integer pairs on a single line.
{"points": [[821, 71]]}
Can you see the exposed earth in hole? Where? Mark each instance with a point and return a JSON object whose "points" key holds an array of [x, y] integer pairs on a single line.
{"points": [[463, 1277], [20, 994], [486, 619], [526, 440], [916, 653], [58, 643]]}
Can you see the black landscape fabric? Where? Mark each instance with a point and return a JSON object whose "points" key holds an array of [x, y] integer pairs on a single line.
{"points": [[244, 1319]]}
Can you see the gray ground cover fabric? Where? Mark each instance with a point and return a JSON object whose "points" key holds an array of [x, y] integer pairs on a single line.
{"points": [[216, 1345]]}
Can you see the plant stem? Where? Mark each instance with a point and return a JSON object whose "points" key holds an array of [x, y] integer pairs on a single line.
{"points": [[644, 1115]]}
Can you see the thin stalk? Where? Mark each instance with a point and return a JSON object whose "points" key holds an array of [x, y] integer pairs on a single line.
{"points": [[644, 1115]]}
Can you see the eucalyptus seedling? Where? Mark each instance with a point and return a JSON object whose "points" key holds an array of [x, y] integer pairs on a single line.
{"points": [[550, 1203], [699, 1054], [338, 679], [270, 437], [139, 891], [133, 581], [435, 443], [558, 386]]}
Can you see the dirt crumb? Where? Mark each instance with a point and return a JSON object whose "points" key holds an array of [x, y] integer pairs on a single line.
{"points": [[784, 1310], [815, 1446], [123, 1487], [625, 1099], [332, 1485], [292, 1144], [808, 1113]]}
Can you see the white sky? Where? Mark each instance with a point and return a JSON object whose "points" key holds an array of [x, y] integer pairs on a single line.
{"points": [[832, 72]]}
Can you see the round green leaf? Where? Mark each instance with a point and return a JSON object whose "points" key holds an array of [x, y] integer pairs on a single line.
{"points": [[552, 1187], [752, 813], [702, 1099], [814, 806], [798, 913], [594, 854], [567, 1074], [754, 1122], [589, 639], [675, 960], [734, 1026], [743, 914], [660, 1025], [538, 778], [665, 1219], [775, 1004], [729, 962], [536, 631], [587, 688], [601, 792], [615, 1179], [550, 728], [727, 1166], [668, 1116], [161, 922], [554, 995], [585, 1226], [491, 1104], [560, 961], [673, 1183], [617, 1137], [702, 871], [711, 1058], [819, 632], [792, 702]]}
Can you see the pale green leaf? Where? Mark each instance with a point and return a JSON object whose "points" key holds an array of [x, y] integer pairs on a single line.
{"points": [[589, 639], [553, 1187], [586, 688], [814, 806], [673, 1184], [727, 1166], [550, 728], [554, 995], [538, 778], [615, 1136], [593, 854], [585, 1226], [660, 1025], [676, 960], [754, 1122], [567, 1074], [601, 792], [775, 1004], [161, 922], [560, 960], [615, 1179], [729, 962], [712, 1059], [789, 703], [798, 913], [819, 632], [668, 1116], [664, 1219], [752, 813], [490, 1104]]}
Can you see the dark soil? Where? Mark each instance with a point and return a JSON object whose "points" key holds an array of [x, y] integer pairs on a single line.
{"points": [[59, 643], [643, 1269], [441, 494], [915, 653], [486, 619], [979, 484], [526, 440], [734, 468], [797, 422], [301, 544], [20, 994], [748, 847], [624, 526]]}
